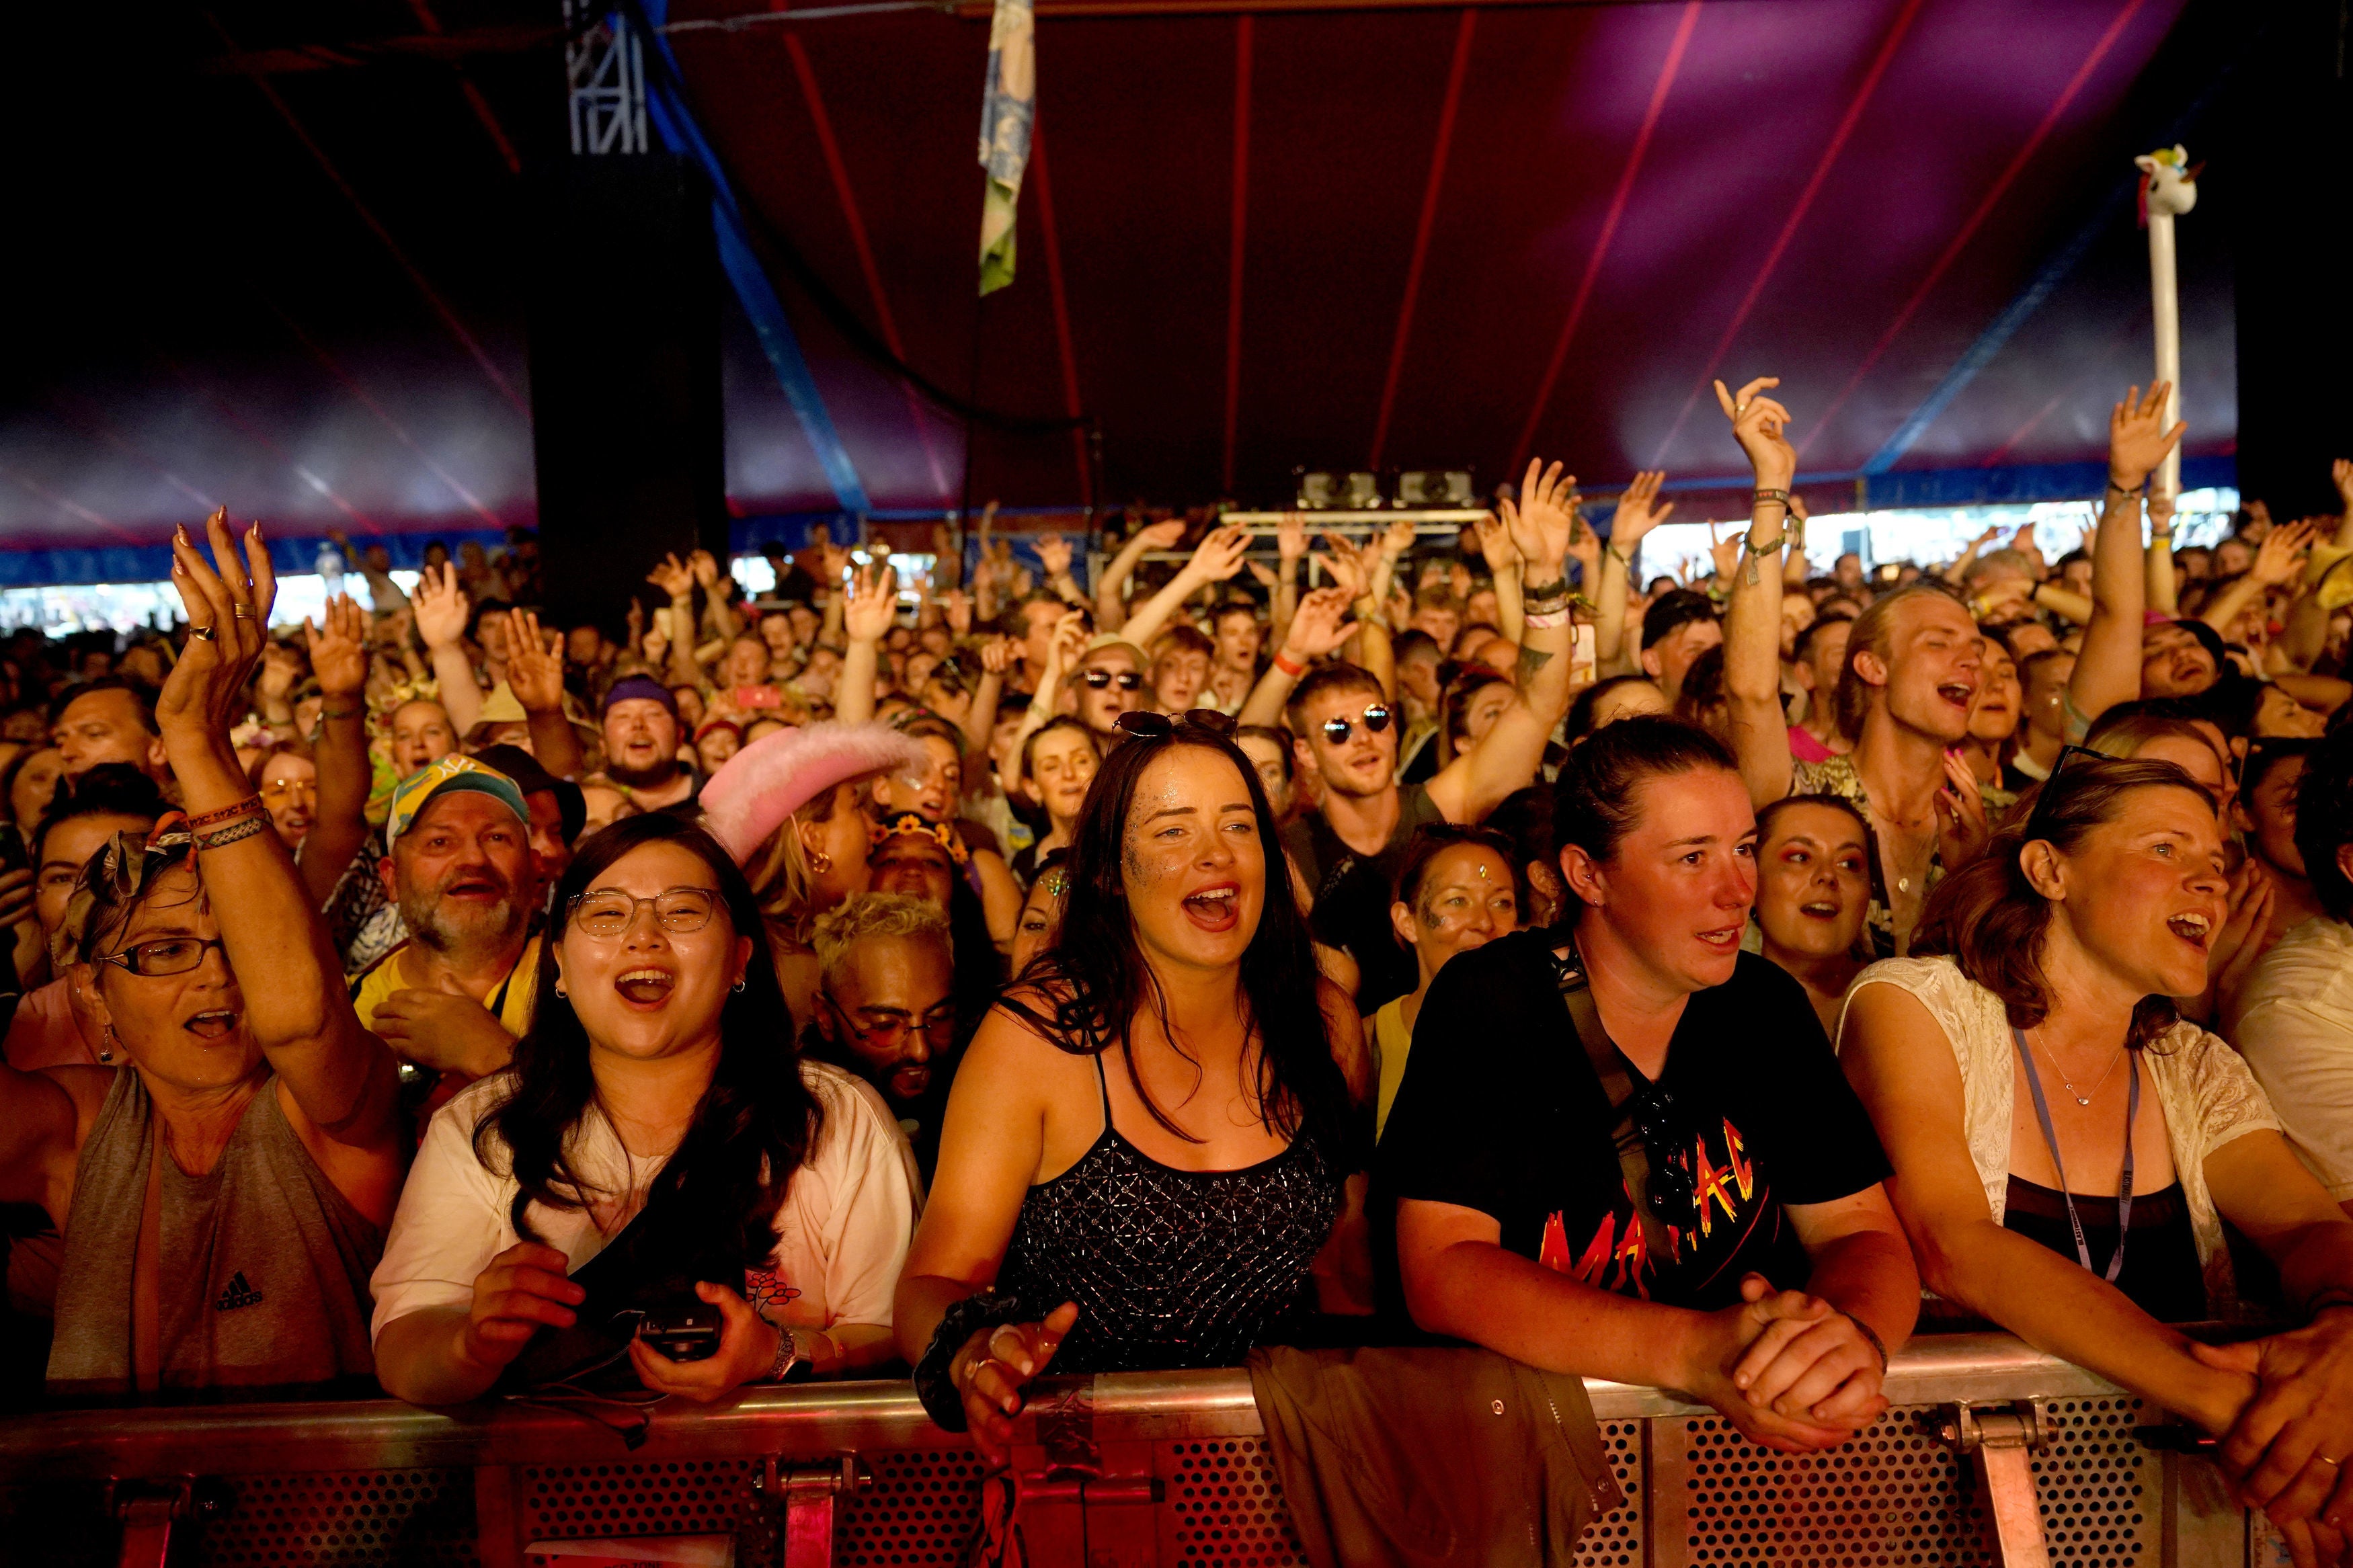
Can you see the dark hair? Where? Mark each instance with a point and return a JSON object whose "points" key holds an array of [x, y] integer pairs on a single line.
{"points": [[143, 697], [1580, 712], [1772, 813], [1081, 994], [1454, 704], [2323, 822], [1433, 839], [1599, 795], [110, 789], [1411, 642], [2036, 660], [756, 1122], [924, 723], [2266, 753], [1338, 676], [30, 749], [1989, 918], [1702, 686], [1673, 610], [1804, 645], [1277, 737]]}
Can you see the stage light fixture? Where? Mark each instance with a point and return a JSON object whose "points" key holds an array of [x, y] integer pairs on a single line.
{"points": [[1339, 492], [1449, 487]]}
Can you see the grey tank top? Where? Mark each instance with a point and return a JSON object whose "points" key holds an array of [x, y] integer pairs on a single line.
{"points": [[264, 1264]]}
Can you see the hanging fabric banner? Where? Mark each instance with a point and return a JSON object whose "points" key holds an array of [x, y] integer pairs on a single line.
{"points": [[1006, 109]]}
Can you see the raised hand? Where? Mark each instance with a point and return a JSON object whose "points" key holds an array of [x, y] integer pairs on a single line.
{"points": [[2277, 557], [957, 605], [1961, 827], [2342, 472], [1724, 553], [1320, 626], [1398, 540], [534, 670], [339, 649], [1263, 575], [1219, 557], [1638, 512], [705, 566], [1495, 545], [1539, 522], [2239, 944], [673, 577], [996, 655], [872, 604], [1761, 426], [1291, 537], [281, 667], [2138, 438], [440, 605], [1165, 535], [227, 603], [1054, 555], [1345, 563], [1068, 645]]}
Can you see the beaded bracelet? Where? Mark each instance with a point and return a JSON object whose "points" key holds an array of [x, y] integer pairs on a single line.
{"points": [[246, 829], [251, 802]]}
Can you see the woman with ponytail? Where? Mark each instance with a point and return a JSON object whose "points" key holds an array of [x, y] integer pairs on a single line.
{"points": [[2066, 1149], [657, 1149]]}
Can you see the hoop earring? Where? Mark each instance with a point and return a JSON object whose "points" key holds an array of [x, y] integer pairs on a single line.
{"points": [[560, 991], [739, 984]]}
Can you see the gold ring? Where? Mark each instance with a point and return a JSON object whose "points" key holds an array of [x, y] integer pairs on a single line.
{"points": [[203, 633], [2326, 1460], [241, 612]]}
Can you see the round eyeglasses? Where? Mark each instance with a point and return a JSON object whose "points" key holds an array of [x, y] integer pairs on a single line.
{"points": [[609, 911]]}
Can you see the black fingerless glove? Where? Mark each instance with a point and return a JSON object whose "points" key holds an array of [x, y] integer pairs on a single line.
{"points": [[942, 1400]]}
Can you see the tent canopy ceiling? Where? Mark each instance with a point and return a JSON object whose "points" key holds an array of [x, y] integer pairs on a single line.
{"points": [[261, 267]]}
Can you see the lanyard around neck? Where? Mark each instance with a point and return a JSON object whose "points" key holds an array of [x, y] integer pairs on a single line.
{"points": [[2051, 1141]]}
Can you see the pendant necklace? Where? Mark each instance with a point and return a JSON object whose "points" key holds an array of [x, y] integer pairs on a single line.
{"points": [[2082, 1098]]}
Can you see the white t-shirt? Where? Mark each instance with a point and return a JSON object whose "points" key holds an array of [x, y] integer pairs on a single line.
{"points": [[841, 1232], [2296, 1029]]}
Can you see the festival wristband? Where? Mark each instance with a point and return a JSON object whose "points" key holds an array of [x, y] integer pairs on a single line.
{"points": [[1539, 619], [229, 813], [341, 712], [1535, 592], [219, 837], [2115, 488], [1769, 495], [1284, 663]]}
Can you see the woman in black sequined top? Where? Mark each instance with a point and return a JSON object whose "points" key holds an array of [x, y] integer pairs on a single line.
{"points": [[1147, 1155]]}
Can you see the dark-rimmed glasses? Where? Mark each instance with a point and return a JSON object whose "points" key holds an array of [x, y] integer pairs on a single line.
{"points": [[165, 955], [2038, 820], [1129, 681], [609, 911], [937, 1026], [1154, 726], [1376, 718]]}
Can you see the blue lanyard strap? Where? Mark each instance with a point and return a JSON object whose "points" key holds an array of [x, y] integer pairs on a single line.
{"points": [[2051, 1141]]}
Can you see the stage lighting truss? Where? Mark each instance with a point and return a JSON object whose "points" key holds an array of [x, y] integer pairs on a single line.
{"points": [[605, 79], [1339, 492]]}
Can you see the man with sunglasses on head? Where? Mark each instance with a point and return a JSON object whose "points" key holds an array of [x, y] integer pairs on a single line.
{"points": [[1344, 730], [886, 1008]]}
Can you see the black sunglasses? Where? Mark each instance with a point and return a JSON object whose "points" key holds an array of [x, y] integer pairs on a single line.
{"points": [[1150, 726], [1337, 730], [1129, 681], [2038, 820]]}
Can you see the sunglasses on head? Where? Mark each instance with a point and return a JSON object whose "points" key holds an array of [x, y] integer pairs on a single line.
{"points": [[1150, 726], [1376, 718], [1129, 681], [2038, 820]]}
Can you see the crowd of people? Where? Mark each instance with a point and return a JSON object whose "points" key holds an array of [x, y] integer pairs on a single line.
{"points": [[1019, 973]]}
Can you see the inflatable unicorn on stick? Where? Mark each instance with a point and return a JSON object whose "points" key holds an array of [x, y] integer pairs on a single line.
{"points": [[2168, 187]]}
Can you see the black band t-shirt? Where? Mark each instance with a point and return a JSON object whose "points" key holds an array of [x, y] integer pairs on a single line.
{"points": [[1501, 1110]]}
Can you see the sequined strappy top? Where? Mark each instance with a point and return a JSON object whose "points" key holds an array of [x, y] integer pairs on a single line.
{"points": [[1170, 1267]]}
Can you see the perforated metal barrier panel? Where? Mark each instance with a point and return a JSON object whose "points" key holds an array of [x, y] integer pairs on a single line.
{"points": [[475, 1491]]}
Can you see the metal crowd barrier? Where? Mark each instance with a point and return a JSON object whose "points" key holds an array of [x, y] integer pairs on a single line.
{"points": [[1993, 1454]]}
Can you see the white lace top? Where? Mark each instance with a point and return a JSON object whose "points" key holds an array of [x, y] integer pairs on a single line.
{"points": [[2205, 1093]]}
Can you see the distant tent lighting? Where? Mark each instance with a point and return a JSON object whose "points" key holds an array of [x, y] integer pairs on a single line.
{"points": [[1450, 487]]}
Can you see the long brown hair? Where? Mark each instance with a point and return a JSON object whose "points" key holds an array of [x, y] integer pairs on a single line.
{"points": [[1990, 919]]}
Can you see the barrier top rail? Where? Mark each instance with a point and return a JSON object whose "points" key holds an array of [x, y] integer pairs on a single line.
{"points": [[360, 1434]]}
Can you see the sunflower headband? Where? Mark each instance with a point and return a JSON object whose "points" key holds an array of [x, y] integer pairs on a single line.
{"points": [[915, 825]]}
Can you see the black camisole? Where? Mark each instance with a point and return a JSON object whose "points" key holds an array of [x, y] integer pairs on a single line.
{"points": [[1170, 1267], [2161, 1275]]}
